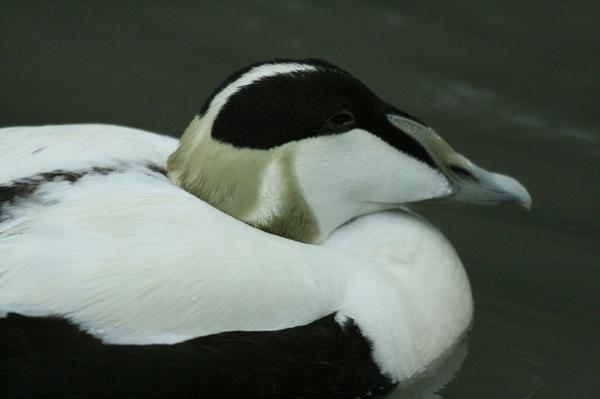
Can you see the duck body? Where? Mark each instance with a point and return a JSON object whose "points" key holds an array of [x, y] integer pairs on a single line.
{"points": [[152, 264], [269, 249]]}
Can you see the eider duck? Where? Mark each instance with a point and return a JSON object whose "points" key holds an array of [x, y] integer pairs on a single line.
{"points": [[268, 253]]}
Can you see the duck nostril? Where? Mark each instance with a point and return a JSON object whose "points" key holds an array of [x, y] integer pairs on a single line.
{"points": [[463, 173]]}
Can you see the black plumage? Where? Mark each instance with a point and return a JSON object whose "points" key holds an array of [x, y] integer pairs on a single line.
{"points": [[50, 358], [286, 107]]}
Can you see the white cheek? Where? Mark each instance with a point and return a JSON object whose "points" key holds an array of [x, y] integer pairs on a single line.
{"points": [[346, 175], [397, 177], [360, 166]]}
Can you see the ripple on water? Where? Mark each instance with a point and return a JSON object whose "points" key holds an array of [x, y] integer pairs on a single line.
{"points": [[393, 19], [578, 133], [524, 120], [464, 96]]}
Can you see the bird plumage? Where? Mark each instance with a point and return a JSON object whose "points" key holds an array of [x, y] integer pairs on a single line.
{"points": [[271, 238], [137, 260]]}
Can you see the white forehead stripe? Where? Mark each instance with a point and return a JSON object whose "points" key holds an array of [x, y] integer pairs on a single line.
{"points": [[253, 75]]}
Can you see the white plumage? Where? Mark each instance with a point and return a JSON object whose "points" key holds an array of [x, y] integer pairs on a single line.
{"points": [[103, 237], [132, 258]]}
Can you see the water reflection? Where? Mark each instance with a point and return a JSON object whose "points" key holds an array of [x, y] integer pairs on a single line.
{"points": [[427, 387]]}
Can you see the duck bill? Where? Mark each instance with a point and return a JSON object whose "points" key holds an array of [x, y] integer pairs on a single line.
{"points": [[470, 183]]}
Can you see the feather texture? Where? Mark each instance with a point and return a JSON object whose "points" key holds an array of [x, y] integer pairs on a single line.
{"points": [[130, 258]]}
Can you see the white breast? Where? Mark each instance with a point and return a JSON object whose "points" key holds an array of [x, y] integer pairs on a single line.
{"points": [[132, 258]]}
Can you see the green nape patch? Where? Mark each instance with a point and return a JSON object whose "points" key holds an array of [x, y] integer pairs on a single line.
{"points": [[230, 179], [294, 219]]}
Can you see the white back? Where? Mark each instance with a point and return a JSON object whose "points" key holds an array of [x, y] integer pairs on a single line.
{"points": [[26, 151], [134, 259]]}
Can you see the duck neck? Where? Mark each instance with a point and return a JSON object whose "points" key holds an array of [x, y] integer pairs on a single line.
{"points": [[258, 187]]}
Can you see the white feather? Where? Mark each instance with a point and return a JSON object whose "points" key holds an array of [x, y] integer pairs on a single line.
{"points": [[26, 151], [132, 258]]}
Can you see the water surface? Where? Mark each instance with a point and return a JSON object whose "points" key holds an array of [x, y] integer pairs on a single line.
{"points": [[513, 85]]}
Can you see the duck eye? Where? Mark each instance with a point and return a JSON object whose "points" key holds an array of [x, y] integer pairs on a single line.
{"points": [[342, 119]]}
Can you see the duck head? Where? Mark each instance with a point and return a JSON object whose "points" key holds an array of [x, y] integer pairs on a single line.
{"points": [[297, 148]]}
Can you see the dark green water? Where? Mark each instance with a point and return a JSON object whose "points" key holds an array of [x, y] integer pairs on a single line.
{"points": [[514, 86]]}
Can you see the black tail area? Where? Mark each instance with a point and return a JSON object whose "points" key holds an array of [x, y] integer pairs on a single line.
{"points": [[50, 358]]}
